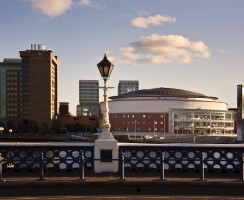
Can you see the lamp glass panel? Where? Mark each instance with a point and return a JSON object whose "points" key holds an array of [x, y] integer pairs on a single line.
{"points": [[110, 70], [106, 70], [101, 70]]}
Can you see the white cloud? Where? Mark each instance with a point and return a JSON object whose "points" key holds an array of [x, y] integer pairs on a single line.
{"points": [[222, 51], [89, 3], [52, 8], [142, 13], [157, 20], [161, 49]]}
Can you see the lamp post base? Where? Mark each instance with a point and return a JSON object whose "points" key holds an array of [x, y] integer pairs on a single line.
{"points": [[106, 150]]}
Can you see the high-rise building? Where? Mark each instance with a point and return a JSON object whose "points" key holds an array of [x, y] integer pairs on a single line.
{"points": [[88, 98], [29, 86], [39, 84], [127, 86], [10, 89]]}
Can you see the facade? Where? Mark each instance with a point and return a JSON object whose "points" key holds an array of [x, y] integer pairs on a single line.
{"points": [[39, 84], [240, 113], [63, 108], [10, 89], [88, 122], [88, 98], [170, 110], [31, 86], [127, 86]]}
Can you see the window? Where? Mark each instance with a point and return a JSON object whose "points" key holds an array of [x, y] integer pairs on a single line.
{"points": [[149, 122], [123, 116], [161, 122], [133, 116], [155, 116], [155, 122], [123, 122], [128, 116], [128, 122], [149, 129], [138, 122], [161, 116], [156, 129], [149, 116], [143, 116], [143, 122], [138, 116]]}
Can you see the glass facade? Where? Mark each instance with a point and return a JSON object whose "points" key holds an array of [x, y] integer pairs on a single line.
{"points": [[127, 86], [198, 121], [88, 98]]}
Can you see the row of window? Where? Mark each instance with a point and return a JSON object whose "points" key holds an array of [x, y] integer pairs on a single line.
{"points": [[11, 73], [12, 115], [137, 122], [11, 88], [12, 94], [137, 116], [11, 109], [11, 83], [12, 104], [137, 129], [11, 78]]}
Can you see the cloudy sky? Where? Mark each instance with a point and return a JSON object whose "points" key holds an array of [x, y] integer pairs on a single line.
{"points": [[185, 44]]}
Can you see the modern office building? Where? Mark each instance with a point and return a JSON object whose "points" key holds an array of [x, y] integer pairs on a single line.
{"points": [[127, 86], [170, 110], [88, 98], [10, 89], [31, 83]]}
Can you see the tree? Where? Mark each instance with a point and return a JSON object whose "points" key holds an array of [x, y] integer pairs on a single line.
{"points": [[33, 126], [44, 128], [9, 125], [22, 126], [56, 126]]}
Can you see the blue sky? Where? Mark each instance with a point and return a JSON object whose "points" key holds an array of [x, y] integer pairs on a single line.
{"points": [[185, 44]]}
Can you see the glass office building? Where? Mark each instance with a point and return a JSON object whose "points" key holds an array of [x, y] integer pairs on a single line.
{"points": [[127, 86], [88, 98]]}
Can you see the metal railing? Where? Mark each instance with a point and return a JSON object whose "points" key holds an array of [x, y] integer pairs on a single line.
{"points": [[82, 160]]}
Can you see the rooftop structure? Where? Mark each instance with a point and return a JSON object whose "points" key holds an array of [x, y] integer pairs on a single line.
{"points": [[127, 86]]}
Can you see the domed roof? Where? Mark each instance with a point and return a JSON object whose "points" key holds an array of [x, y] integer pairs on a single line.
{"points": [[163, 92]]}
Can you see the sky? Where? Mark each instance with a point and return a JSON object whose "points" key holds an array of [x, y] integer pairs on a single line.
{"points": [[184, 44]]}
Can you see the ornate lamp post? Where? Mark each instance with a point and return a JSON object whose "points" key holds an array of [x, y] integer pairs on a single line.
{"points": [[105, 67]]}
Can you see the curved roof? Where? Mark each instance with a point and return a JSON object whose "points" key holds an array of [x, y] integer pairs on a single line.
{"points": [[163, 92]]}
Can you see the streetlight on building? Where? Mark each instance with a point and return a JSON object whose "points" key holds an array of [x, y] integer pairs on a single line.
{"points": [[105, 68]]}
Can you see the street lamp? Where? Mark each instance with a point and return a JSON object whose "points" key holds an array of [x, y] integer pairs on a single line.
{"points": [[105, 68], [164, 125], [135, 128], [154, 128], [1, 131]]}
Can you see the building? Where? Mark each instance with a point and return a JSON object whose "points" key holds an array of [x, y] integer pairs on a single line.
{"points": [[127, 86], [10, 89], [32, 82], [170, 110], [63, 108], [88, 98]]}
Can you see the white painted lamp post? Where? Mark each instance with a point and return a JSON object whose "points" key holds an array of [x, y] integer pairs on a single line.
{"points": [[105, 67], [106, 147]]}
